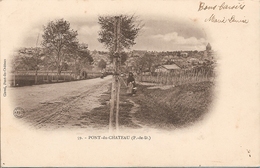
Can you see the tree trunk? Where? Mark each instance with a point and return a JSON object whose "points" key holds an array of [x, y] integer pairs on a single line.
{"points": [[36, 77], [14, 79], [75, 69], [58, 73], [141, 76]]}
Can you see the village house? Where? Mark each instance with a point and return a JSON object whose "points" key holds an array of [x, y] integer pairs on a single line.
{"points": [[191, 60], [184, 54], [167, 68]]}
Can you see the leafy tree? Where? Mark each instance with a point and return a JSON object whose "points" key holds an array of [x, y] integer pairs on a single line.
{"points": [[129, 30], [147, 61], [84, 54], [18, 62], [27, 60], [31, 63], [84, 57], [124, 57], [60, 41], [130, 27], [102, 64]]}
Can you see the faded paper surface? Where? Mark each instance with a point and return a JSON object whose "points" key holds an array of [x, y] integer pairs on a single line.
{"points": [[227, 136]]}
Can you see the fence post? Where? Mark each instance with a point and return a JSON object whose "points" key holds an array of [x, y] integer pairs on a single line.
{"points": [[160, 79], [165, 78], [168, 78]]}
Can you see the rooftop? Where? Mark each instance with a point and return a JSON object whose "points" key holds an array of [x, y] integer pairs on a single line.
{"points": [[173, 66]]}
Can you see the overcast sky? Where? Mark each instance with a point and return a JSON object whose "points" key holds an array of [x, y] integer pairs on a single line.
{"points": [[158, 33]]}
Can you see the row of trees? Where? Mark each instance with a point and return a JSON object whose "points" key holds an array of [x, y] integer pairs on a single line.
{"points": [[59, 50]]}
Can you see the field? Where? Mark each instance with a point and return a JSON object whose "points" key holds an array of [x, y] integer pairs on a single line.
{"points": [[173, 107]]}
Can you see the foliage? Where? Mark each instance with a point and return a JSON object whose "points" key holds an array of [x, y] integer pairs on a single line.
{"points": [[130, 28], [31, 61], [83, 58], [123, 56], [147, 62], [60, 40], [84, 54], [102, 64]]}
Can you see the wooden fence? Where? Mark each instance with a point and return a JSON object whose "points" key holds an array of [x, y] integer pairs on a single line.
{"points": [[179, 77], [22, 78]]}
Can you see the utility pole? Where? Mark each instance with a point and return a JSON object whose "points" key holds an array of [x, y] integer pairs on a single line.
{"points": [[118, 61], [115, 91]]}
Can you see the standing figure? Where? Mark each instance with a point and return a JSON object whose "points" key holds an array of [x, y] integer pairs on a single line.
{"points": [[131, 84]]}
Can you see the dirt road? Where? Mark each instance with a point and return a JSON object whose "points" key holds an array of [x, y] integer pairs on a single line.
{"points": [[85, 104], [58, 105]]}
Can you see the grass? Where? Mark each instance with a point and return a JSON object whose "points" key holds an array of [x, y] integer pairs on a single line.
{"points": [[100, 115], [176, 107]]}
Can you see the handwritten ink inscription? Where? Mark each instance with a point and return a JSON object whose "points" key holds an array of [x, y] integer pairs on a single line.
{"points": [[229, 19], [223, 6]]}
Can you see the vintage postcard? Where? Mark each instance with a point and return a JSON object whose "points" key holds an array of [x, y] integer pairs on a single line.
{"points": [[122, 83]]}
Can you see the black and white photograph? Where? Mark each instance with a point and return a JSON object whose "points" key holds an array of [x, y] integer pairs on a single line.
{"points": [[129, 83]]}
